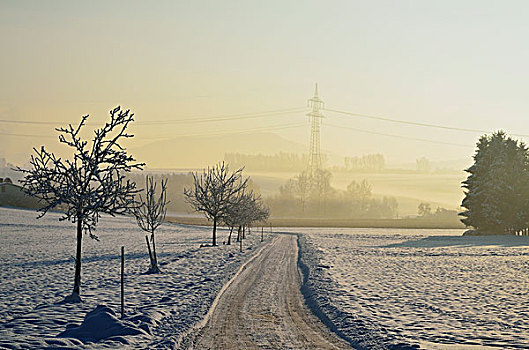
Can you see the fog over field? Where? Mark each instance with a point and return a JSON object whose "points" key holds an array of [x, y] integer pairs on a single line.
{"points": [[192, 108]]}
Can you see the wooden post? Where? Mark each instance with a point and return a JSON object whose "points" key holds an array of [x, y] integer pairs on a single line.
{"points": [[122, 281], [262, 229]]}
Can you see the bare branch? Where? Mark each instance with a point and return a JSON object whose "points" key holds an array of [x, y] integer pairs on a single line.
{"points": [[92, 182]]}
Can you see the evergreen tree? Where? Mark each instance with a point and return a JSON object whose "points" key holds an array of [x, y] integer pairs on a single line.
{"points": [[497, 186]]}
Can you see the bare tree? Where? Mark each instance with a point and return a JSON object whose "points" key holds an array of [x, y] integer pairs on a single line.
{"points": [[253, 212], [89, 184], [237, 211], [150, 214], [262, 213], [321, 186], [245, 209], [212, 192], [424, 209]]}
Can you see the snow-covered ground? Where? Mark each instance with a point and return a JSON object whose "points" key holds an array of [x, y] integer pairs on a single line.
{"points": [[427, 288], [380, 288], [36, 272]]}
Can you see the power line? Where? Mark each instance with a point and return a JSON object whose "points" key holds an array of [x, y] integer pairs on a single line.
{"points": [[414, 123], [26, 135], [229, 132], [196, 119], [397, 136], [223, 118], [267, 113], [226, 132]]}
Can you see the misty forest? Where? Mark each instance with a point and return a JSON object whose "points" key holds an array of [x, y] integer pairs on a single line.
{"points": [[346, 175]]}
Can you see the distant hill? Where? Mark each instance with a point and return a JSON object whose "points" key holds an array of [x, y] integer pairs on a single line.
{"points": [[201, 151]]}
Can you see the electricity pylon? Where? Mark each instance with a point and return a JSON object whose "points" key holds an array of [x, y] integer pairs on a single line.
{"points": [[314, 153]]}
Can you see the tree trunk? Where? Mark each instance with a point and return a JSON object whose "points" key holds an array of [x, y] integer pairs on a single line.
{"points": [[239, 234], [150, 252], [77, 277], [214, 231], [154, 252], [243, 232], [229, 237]]}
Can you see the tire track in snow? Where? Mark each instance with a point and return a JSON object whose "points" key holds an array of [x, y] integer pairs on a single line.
{"points": [[262, 307]]}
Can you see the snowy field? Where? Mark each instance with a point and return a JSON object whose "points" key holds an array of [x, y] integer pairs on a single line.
{"points": [[380, 288], [427, 288], [36, 272]]}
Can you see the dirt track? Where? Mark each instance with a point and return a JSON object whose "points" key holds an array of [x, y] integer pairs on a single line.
{"points": [[262, 307]]}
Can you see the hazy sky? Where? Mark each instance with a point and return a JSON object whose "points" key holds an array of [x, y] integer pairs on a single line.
{"points": [[456, 63]]}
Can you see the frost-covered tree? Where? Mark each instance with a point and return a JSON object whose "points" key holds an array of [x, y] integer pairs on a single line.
{"points": [[92, 182], [497, 187], [150, 214], [243, 210], [236, 211], [212, 192]]}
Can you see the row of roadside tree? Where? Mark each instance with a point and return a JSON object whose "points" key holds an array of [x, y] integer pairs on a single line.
{"points": [[92, 182]]}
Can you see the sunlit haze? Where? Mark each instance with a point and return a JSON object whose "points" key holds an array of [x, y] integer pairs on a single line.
{"points": [[452, 63]]}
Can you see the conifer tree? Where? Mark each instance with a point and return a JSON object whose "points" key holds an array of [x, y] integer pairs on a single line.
{"points": [[497, 186]]}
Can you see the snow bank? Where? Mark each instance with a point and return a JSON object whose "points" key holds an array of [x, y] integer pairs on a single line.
{"points": [[320, 293], [101, 323], [36, 270], [417, 288]]}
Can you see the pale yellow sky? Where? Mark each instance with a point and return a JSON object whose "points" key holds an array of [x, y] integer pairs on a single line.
{"points": [[455, 63]]}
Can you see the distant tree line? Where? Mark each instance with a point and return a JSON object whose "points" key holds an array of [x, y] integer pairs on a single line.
{"points": [[424, 210], [423, 165], [309, 195], [368, 162], [287, 162], [497, 187]]}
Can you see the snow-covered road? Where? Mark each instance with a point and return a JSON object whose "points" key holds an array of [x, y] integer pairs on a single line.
{"points": [[262, 307]]}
